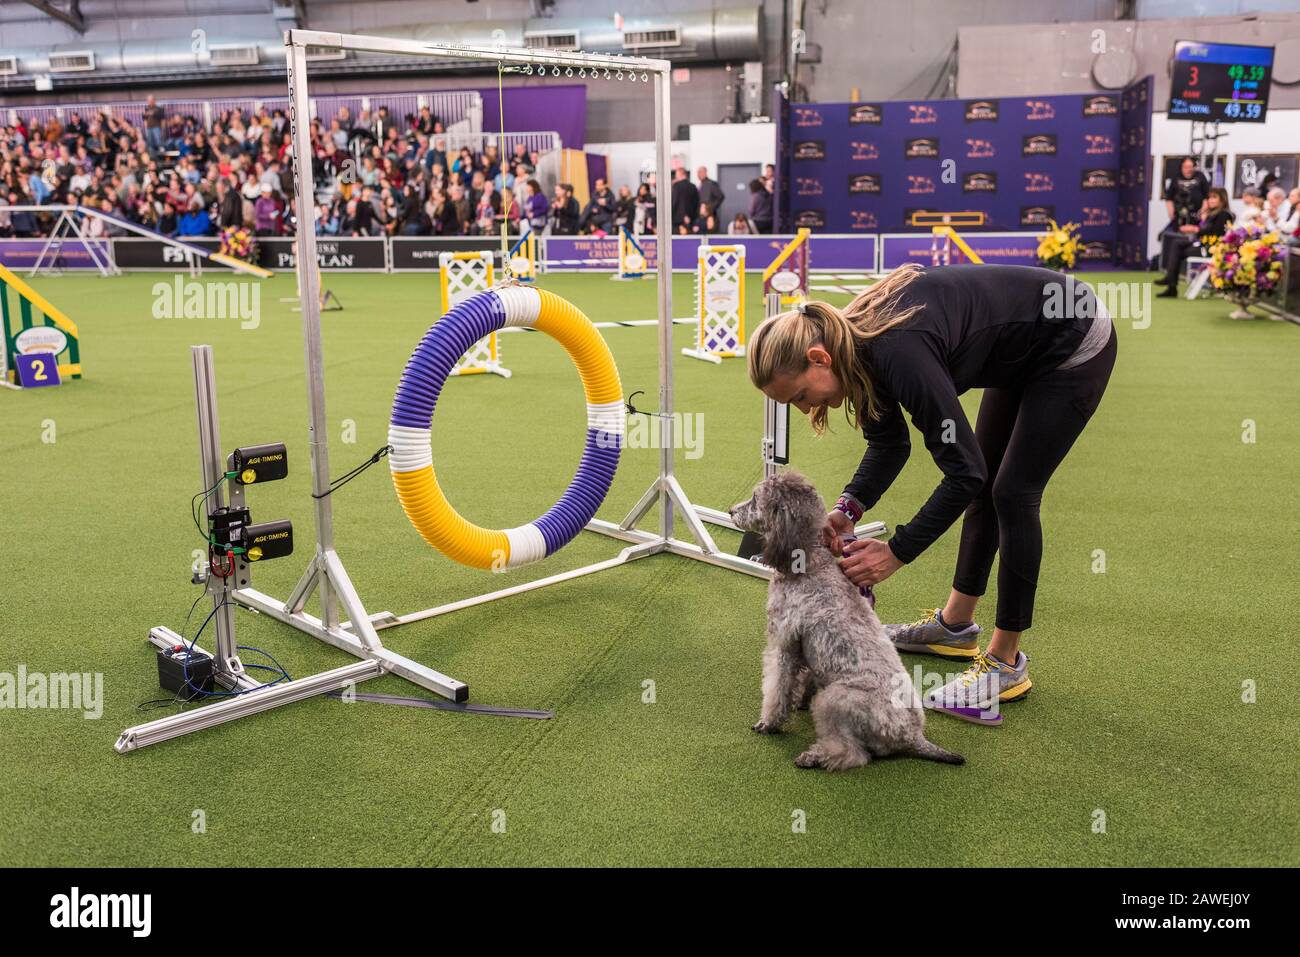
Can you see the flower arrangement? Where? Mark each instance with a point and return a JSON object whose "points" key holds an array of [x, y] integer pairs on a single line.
{"points": [[238, 242], [1059, 246], [1246, 263]]}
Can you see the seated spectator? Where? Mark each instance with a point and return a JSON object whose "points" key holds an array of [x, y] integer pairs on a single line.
{"points": [[564, 211], [266, 213], [1195, 240], [705, 224], [1276, 209], [510, 212], [598, 216], [740, 226], [195, 222], [535, 208]]}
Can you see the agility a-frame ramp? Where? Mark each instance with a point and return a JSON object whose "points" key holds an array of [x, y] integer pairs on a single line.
{"points": [[344, 620]]}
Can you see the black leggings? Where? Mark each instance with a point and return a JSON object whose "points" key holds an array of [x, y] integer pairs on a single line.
{"points": [[1024, 435]]}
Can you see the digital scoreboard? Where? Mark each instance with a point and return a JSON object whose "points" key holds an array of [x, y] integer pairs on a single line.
{"points": [[1220, 81]]}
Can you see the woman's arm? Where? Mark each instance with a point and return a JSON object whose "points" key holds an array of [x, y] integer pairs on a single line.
{"points": [[924, 386]]}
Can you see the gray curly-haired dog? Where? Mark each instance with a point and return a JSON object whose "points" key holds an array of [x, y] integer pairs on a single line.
{"points": [[823, 637]]}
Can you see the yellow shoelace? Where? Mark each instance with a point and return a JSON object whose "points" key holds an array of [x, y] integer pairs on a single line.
{"points": [[982, 665], [926, 620]]}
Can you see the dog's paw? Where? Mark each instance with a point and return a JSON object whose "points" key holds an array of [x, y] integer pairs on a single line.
{"points": [[809, 759], [762, 727]]}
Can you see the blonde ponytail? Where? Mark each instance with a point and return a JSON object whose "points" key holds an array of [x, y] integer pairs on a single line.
{"points": [[779, 346]]}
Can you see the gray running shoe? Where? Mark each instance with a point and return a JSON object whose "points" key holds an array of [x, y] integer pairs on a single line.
{"points": [[983, 686], [929, 636]]}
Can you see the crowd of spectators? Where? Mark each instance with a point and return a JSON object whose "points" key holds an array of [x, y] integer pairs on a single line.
{"points": [[376, 176]]}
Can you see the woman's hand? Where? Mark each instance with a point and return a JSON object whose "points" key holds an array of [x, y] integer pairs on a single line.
{"points": [[837, 524], [869, 561]]}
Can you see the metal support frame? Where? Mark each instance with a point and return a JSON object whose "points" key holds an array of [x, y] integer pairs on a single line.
{"points": [[344, 621]]}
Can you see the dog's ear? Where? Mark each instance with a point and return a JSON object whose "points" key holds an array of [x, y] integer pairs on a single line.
{"points": [[784, 537]]}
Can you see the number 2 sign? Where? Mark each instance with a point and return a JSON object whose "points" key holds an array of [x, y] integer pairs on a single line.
{"points": [[36, 369]]}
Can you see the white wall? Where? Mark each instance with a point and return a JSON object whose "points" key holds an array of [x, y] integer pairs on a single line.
{"points": [[1279, 133], [709, 145]]}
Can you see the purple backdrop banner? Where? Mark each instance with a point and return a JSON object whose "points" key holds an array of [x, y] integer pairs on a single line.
{"points": [[866, 167], [828, 252], [1134, 173], [528, 108], [1013, 249]]}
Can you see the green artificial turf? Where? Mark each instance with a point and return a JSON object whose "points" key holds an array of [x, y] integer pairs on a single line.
{"points": [[1137, 709]]}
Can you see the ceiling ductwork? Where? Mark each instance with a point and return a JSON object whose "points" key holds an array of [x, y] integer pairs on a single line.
{"points": [[729, 35]]}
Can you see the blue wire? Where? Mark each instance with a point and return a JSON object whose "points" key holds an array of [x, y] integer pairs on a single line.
{"points": [[185, 670]]}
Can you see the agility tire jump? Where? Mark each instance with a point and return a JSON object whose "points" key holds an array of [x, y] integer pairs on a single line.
{"points": [[410, 429]]}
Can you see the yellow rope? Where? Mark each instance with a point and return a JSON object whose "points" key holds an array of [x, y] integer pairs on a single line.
{"points": [[501, 165]]}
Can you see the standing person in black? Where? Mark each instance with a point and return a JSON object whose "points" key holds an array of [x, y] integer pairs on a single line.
{"points": [[1185, 196], [686, 201], [710, 193], [1042, 347], [1215, 223], [761, 212]]}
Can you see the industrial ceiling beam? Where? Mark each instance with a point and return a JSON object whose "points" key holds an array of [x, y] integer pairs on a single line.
{"points": [[72, 16]]}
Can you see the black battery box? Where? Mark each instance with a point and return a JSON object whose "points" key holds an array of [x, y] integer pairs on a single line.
{"points": [[269, 540], [177, 664], [260, 463]]}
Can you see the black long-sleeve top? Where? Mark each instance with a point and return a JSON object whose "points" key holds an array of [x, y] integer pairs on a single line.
{"points": [[978, 327]]}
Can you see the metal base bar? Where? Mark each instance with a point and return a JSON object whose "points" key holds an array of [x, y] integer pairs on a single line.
{"points": [[173, 726]]}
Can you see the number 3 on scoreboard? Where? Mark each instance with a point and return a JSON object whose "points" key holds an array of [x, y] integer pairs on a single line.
{"points": [[1194, 71]]}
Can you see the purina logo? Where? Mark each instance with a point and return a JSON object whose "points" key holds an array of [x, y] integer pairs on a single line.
{"points": [[864, 151], [1037, 215], [1096, 216], [919, 184], [1097, 250], [1038, 183], [1098, 144], [1038, 144], [810, 150], [920, 113], [865, 183], [810, 219], [865, 113], [923, 147], [807, 116], [1039, 110], [1098, 179], [977, 110], [77, 910], [862, 219], [979, 183], [979, 149], [807, 186], [1100, 105]]}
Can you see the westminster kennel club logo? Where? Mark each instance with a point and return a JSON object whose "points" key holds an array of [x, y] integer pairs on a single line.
{"points": [[862, 219], [863, 151], [810, 219], [981, 110], [1038, 144], [923, 147], [979, 149], [1037, 215], [1098, 144], [979, 183], [921, 113], [1098, 179], [865, 183], [919, 184], [1097, 251], [1100, 106], [807, 186], [810, 150], [1039, 110], [807, 116], [1038, 183], [1096, 216], [865, 113]]}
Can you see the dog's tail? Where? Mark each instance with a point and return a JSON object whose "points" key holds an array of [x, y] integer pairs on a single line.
{"points": [[932, 752]]}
